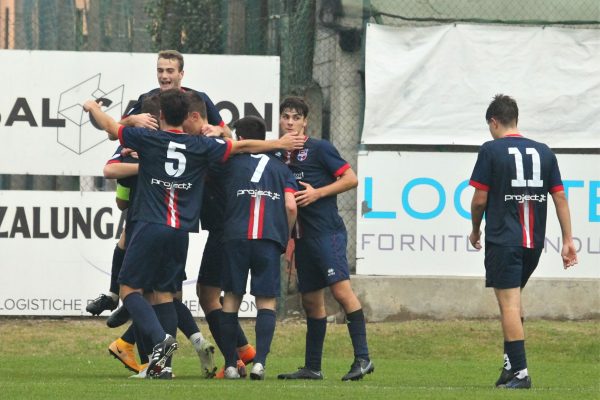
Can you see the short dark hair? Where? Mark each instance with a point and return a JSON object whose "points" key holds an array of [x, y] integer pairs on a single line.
{"points": [[294, 103], [151, 105], [251, 127], [172, 55], [196, 103], [503, 109], [174, 106]]}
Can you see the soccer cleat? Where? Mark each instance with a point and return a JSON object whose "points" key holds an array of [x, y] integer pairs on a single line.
{"points": [[505, 376], [160, 355], [231, 373], [118, 318], [247, 353], [302, 373], [141, 374], [123, 351], [359, 368], [241, 368], [100, 304], [166, 373], [258, 372], [516, 383], [206, 353]]}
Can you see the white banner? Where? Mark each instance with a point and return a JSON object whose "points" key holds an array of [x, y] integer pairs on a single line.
{"points": [[414, 216], [422, 82], [44, 130], [56, 251]]}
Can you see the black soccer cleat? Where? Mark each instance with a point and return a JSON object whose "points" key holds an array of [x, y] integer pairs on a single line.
{"points": [[118, 318], [160, 355], [302, 373], [516, 383], [359, 368], [505, 376], [100, 304]]}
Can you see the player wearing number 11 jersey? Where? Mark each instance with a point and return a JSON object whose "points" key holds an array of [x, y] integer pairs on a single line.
{"points": [[512, 177]]}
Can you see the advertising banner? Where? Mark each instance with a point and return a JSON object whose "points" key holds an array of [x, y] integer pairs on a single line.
{"points": [[413, 216]]}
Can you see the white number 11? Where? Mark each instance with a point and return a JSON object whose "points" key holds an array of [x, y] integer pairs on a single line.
{"points": [[536, 180]]}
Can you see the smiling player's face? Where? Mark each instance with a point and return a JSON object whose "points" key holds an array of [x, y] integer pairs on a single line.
{"points": [[168, 74]]}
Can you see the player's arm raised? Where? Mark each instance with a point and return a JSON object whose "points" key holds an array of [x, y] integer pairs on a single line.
{"points": [[478, 204], [308, 195], [144, 120], [568, 253], [120, 170], [289, 141], [104, 120]]}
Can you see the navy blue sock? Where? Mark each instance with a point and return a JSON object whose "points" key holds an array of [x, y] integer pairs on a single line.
{"points": [[213, 319], [185, 319], [241, 336], [358, 333], [117, 261], [167, 316], [516, 354], [129, 335], [144, 317], [229, 322], [265, 328], [144, 344], [315, 336]]}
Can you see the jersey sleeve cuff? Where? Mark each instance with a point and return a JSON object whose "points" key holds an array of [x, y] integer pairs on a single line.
{"points": [[227, 151], [342, 169], [120, 133], [289, 190], [557, 188], [222, 123], [478, 185]]}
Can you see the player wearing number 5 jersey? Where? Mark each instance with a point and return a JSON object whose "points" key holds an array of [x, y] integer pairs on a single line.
{"points": [[512, 177], [167, 205]]}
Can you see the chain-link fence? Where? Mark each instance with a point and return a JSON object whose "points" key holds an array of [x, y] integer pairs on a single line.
{"points": [[320, 44]]}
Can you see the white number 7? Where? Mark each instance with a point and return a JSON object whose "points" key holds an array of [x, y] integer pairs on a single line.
{"points": [[260, 167], [536, 180]]}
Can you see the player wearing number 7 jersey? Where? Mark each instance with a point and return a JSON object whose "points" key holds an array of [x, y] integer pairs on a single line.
{"points": [[512, 177], [167, 207]]}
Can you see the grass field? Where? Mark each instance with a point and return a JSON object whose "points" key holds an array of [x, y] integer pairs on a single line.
{"points": [[67, 359]]}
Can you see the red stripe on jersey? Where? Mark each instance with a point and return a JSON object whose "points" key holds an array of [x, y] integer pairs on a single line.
{"points": [[167, 197], [113, 160], [251, 217], [176, 208], [342, 169], [289, 190], [479, 186], [120, 133], [531, 221], [557, 188], [228, 151]]}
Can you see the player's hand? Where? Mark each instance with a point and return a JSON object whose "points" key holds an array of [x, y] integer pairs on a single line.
{"points": [[307, 196], [212, 130], [475, 239], [126, 151], [88, 105], [145, 120], [291, 141], [569, 254]]}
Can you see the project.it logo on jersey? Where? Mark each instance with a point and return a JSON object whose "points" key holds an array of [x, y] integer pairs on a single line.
{"points": [[81, 132]]}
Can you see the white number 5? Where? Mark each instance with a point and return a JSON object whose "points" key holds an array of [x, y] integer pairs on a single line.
{"points": [[180, 157], [536, 180]]}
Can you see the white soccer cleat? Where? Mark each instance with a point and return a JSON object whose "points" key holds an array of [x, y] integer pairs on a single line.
{"points": [[141, 374], [231, 373], [206, 352], [258, 372]]}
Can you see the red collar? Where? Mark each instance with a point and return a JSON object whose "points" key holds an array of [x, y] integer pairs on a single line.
{"points": [[174, 131], [514, 135]]}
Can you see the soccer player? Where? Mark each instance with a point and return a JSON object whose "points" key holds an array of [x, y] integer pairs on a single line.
{"points": [[321, 244], [260, 212], [512, 178], [212, 218], [167, 206]]}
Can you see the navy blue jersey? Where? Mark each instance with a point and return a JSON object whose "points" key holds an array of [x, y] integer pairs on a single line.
{"points": [[212, 114], [212, 216], [518, 174], [319, 164], [171, 174], [255, 186]]}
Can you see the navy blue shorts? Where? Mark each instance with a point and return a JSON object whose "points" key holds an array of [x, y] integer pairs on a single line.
{"points": [[213, 261], [155, 257], [261, 258], [321, 261], [509, 267]]}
